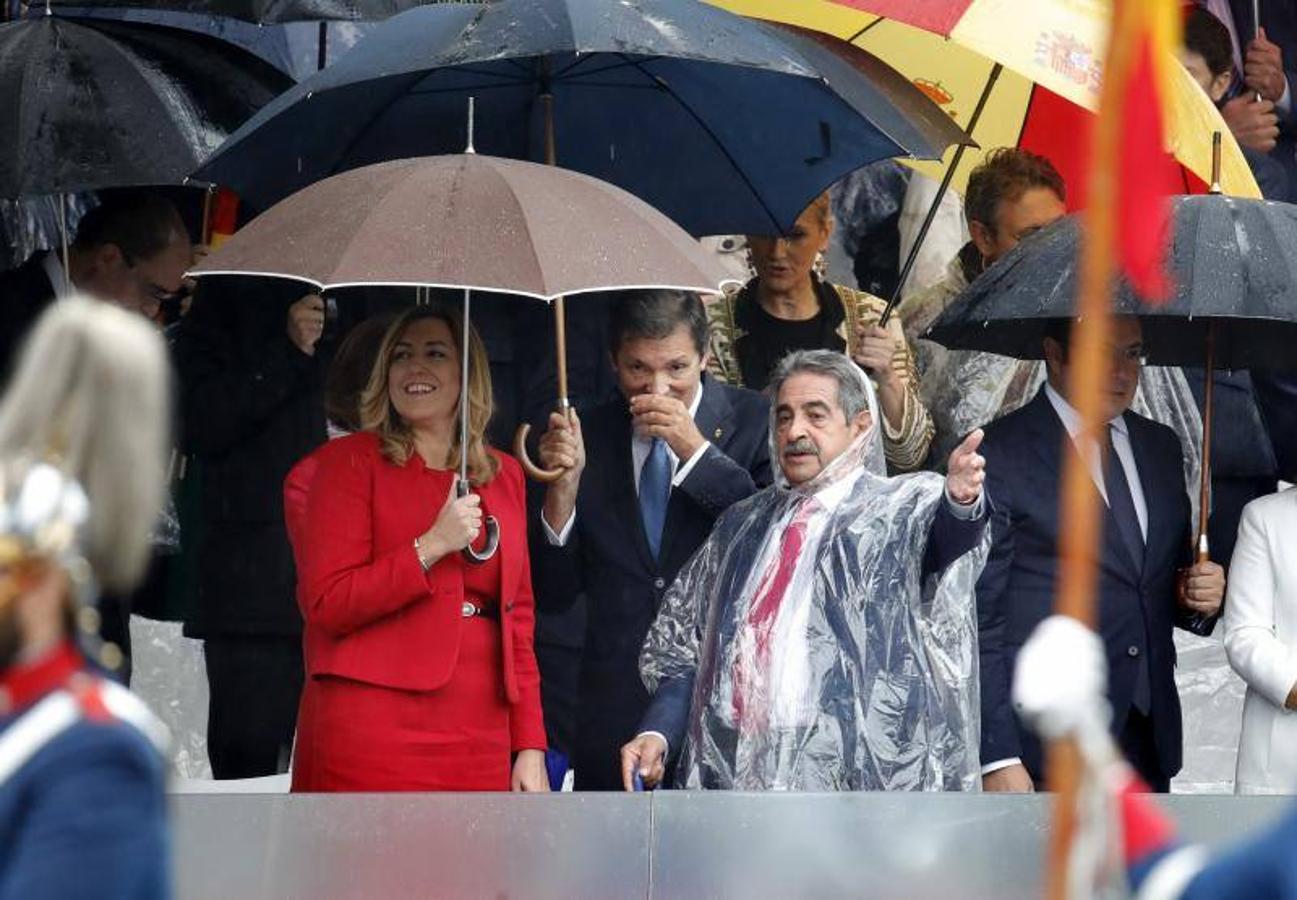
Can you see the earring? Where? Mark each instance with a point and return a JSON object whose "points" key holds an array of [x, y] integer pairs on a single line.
{"points": [[821, 266]]}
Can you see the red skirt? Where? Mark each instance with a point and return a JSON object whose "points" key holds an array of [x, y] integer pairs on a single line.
{"points": [[353, 736]]}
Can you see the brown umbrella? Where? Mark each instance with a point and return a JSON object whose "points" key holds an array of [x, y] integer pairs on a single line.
{"points": [[475, 223], [467, 221]]}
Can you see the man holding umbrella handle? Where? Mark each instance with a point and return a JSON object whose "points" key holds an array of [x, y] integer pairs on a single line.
{"points": [[665, 459], [1135, 464]]}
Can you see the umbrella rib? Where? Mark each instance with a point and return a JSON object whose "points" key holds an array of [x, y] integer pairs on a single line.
{"points": [[715, 140], [864, 31], [621, 63], [460, 89]]}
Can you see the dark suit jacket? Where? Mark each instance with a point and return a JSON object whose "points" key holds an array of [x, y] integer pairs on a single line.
{"points": [[949, 538], [1279, 19], [251, 406], [608, 557], [24, 294], [1024, 457]]}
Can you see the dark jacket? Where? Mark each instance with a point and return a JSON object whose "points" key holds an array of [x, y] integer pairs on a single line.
{"points": [[251, 406], [1024, 454], [24, 294], [608, 558]]}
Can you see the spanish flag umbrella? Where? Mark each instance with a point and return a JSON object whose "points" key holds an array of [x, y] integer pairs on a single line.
{"points": [[1033, 68]]}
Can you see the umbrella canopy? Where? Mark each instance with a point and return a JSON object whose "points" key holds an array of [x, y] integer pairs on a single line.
{"points": [[264, 12], [88, 104], [1045, 97], [467, 221], [722, 123], [1234, 269]]}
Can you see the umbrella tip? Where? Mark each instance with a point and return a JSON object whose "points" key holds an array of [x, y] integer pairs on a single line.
{"points": [[469, 144]]}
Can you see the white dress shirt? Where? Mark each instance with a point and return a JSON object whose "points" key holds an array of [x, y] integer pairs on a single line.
{"points": [[1090, 453], [640, 447], [1089, 450]]}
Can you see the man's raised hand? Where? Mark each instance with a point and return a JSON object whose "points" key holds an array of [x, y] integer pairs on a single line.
{"points": [[966, 471]]}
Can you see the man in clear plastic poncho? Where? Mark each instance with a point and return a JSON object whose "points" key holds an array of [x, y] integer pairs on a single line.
{"points": [[824, 637]]}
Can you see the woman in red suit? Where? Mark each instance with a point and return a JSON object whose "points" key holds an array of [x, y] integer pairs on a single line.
{"points": [[420, 670]]}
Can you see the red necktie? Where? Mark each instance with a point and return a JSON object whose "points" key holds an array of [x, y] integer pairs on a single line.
{"points": [[765, 608]]}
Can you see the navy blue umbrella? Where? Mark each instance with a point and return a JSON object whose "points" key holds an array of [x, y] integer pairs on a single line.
{"points": [[725, 124]]}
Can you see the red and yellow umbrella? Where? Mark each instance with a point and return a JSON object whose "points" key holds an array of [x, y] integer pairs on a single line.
{"points": [[1047, 61]]}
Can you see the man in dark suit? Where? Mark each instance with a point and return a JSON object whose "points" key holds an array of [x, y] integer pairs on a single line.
{"points": [[131, 250], [664, 461], [1261, 110], [1136, 465], [249, 355]]}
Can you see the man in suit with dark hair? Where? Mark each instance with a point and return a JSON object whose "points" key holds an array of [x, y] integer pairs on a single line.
{"points": [[1136, 465], [664, 460], [131, 250]]}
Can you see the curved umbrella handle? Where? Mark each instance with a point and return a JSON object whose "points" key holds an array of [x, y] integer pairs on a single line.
{"points": [[477, 557], [534, 472]]}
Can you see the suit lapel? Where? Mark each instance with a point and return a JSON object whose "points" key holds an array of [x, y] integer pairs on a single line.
{"points": [[1148, 477], [621, 486]]}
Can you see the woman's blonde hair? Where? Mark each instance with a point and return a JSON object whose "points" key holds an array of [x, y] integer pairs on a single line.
{"points": [[378, 415], [91, 396], [822, 207]]}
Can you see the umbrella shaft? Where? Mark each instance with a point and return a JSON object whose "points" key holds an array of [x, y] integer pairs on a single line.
{"points": [[1204, 486], [463, 393], [941, 193]]}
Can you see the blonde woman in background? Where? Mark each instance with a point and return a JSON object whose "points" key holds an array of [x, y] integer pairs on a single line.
{"points": [[788, 307]]}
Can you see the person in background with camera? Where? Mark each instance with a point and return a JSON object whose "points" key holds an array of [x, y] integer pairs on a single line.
{"points": [[251, 403]]}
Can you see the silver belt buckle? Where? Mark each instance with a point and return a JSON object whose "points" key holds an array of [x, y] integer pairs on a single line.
{"points": [[467, 609]]}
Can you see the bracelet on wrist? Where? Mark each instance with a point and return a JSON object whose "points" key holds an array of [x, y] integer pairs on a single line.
{"points": [[424, 562]]}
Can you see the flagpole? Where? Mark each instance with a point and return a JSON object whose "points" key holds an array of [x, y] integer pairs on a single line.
{"points": [[1088, 363]]}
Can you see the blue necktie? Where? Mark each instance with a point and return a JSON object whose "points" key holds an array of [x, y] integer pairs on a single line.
{"points": [[1122, 504], [654, 492]]}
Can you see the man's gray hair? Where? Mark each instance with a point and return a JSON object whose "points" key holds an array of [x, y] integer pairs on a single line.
{"points": [[852, 396]]}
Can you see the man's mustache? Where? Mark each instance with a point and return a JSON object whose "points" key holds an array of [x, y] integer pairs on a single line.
{"points": [[802, 446]]}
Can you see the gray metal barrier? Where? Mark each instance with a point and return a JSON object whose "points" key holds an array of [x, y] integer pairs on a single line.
{"points": [[606, 846]]}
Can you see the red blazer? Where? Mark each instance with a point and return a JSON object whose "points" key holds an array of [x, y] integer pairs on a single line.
{"points": [[371, 613]]}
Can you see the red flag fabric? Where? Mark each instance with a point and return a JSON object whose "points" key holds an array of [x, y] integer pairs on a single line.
{"points": [[223, 218], [1145, 32], [1146, 183]]}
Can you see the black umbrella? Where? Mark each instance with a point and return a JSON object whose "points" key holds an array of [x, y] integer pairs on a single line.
{"points": [[265, 12], [725, 124], [89, 104], [1234, 263]]}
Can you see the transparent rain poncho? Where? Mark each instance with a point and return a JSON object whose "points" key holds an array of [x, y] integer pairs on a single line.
{"points": [[872, 676]]}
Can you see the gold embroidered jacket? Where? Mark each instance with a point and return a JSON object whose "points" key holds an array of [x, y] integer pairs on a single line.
{"points": [[905, 445]]}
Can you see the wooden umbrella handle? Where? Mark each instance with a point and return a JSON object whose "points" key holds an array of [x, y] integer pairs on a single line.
{"points": [[534, 472]]}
